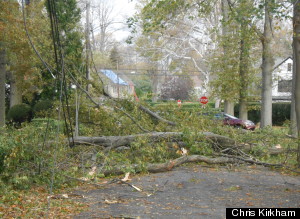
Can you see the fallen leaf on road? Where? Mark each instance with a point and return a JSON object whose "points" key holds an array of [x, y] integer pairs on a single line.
{"points": [[126, 178]]}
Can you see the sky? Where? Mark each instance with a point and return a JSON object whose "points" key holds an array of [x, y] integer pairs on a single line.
{"points": [[123, 9]]}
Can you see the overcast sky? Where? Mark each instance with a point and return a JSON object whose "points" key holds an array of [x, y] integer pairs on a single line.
{"points": [[123, 9]]}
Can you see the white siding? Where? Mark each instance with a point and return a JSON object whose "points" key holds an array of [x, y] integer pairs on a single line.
{"points": [[281, 75]]}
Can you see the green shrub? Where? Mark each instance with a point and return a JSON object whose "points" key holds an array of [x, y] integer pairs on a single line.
{"points": [[20, 113], [25, 159], [42, 108], [280, 112]]}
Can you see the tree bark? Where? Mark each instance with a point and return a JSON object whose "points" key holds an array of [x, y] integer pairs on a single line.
{"points": [[267, 68], [154, 86], [244, 70], [228, 104], [229, 107], [2, 86], [117, 141], [169, 165], [293, 119], [296, 47], [15, 91], [88, 43]]}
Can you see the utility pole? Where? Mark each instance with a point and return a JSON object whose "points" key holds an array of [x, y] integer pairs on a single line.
{"points": [[88, 42]]}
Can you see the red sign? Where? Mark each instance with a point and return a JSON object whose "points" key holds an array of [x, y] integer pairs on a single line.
{"points": [[179, 103], [204, 100]]}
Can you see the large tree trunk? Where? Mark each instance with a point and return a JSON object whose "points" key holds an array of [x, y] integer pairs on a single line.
{"points": [[267, 68], [117, 141], [2, 86], [228, 104], [296, 46], [293, 119], [244, 70]]}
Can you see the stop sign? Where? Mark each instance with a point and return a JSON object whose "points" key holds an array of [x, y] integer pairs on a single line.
{"points": [[204, 100]]}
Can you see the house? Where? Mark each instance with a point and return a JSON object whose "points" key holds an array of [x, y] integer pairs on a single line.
{"points": [[116, 84], [282, 80]]}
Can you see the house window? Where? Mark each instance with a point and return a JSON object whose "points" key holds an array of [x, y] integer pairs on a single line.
{"points": [[289, 66], [285, 86]]}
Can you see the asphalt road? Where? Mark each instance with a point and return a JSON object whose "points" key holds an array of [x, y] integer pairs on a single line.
{"points": [[193, 191]]}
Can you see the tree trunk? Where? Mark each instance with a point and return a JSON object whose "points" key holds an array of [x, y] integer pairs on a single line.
{"points": [[117, 141], [244, 70], [154, 86], [296, 47], [267, 68], [2, 86], [88, 43], [293, 119], [15, 91], [229, 107], [228, 104]]}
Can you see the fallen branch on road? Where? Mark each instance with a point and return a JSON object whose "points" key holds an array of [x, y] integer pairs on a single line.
{"points": [[169, 165]]}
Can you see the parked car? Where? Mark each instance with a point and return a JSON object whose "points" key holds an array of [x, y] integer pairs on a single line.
{"points": [[234, 121]]}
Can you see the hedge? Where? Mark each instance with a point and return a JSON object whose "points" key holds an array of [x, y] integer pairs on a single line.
{"points": [[281, 112]]}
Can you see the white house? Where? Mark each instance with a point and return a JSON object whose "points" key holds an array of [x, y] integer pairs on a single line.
{"points": [[117, 85], [282, 80]]}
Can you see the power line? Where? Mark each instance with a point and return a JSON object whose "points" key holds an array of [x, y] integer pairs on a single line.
{"points": [[31, 43], [154, 70]]}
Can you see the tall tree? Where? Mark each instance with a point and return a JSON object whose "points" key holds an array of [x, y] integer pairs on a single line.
{"points": [[267, 66], [243, 17], [2, 74], [88, 42], [296, 47], [103, 22], [71, 37], [226, 31]]}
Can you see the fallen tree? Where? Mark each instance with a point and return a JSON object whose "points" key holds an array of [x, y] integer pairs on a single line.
{"points": [[117, 141], [169, 165]]}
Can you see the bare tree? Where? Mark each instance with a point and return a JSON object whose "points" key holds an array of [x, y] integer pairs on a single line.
{"points": [[102, 25]]}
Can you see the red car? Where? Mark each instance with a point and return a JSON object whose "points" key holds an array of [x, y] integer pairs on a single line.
{"points": [[234, 121]]}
